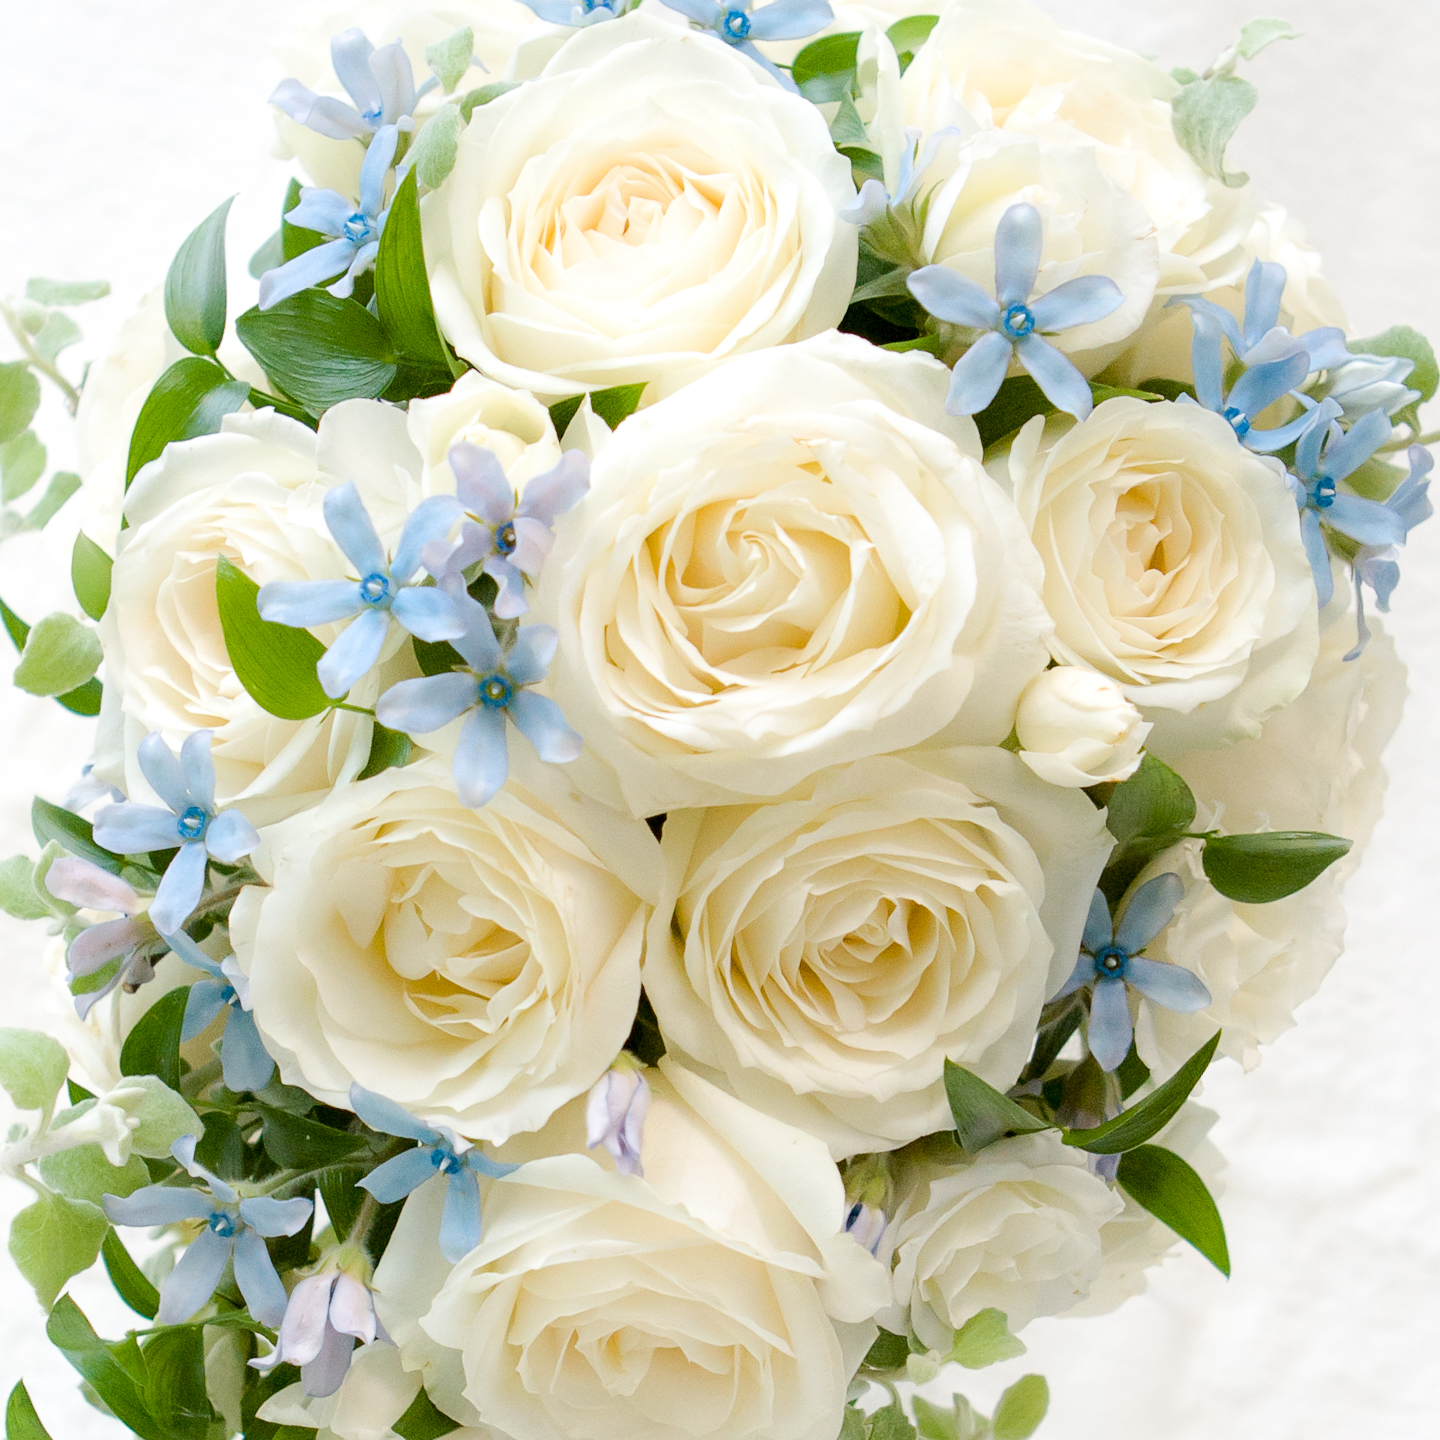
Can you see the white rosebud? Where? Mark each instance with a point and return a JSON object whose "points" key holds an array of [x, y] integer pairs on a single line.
{"points": [[615, 1116], [1076, 728]]}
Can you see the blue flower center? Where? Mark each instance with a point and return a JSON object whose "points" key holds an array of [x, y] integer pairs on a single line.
{"points": [[446, 1161], [357, 228], [1239, 421], [375, 589], [1017, 322], [1321, 495], [735, 26], [222, 1224], [505, 541], [591, 6], [496, 691], [228, 995], [1111, 961], [191, 823], [374, 115]]}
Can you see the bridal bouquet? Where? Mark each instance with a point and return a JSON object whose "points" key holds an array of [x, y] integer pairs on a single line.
{"points": [[757, 650]]}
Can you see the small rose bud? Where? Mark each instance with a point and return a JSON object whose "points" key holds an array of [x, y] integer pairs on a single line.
{"points": [[1076, 728], [615, 1116]]}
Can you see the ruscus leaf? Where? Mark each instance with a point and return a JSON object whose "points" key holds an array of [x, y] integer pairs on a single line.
{"points": [[402, 287], [617, 403], [73, 832], [21, 1421], [1153, 801], [1173, 1193], [153, 1046], [388, 748], [115, 1383], [1256, 869], [195, 286], [825, 69], [424, 1420], [190, 399], [175, 1382], [128, 1278], [908, 35], [981, 1113]]}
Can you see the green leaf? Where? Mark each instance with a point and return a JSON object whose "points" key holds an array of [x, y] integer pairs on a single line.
{"points": [[388, 748], [1153, 801], [852, 1424], [932, 1422], [320, 349], [1259, 34], [1019, 399], [22, 463], [617, 403], [60, 653], [73, 832], [1174, 1194], [32, 1068], [83, 1173], [275, 663], [1401, 340], [21, 1421], [90, 575], [909, 34], [847, 128], [18, 896], [1022, 1407], [888, 1352], [830, 61], [270, 256], [58, 333], [451, 57], [1136, 1125], [19, 399], [1205, 117], [1256, 869], [982, 1114], [175, 1382], [63, 484], [195, 286], [164, 1117], [985, 1340], [113, 1381], [153, 1046], [890, 1423], [295, 239], [437, 147], [402, 288], [483, 95], [423, 1420], [190, 399], [128, 1278], [65, 292], [930, 344], [562, 412], [303, 1143], [55, 1239]]}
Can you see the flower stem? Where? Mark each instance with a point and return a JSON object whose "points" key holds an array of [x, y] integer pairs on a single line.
{"points": [[37, 361]]}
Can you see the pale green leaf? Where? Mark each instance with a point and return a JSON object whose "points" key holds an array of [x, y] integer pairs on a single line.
{"points": [[18, 896], [58, 333], [54, 1239], [1259, 34], [1021, 1409], [847, 128], [195, 286], [63, 484], [90, 575], [19, 398], [451, 57], [33, 1067], [60, 654], [65, 292], [933, 1422], [983, 1340], [1206, 115], [1402, 341], [163, 1115], [438, 145], [83, 1173], [22, 463]]}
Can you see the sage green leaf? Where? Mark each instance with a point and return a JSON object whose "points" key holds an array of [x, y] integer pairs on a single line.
{"points": [[115, 1371], [847, 128], [1021, 1409], [932, 1422], [1154, 801], [275, 663], [63, 484], [65, 292], [890, 1423], [402, 287], [22, 463], [195, 286], [985, 1340], [388, 749], [1256, 869], [908, 35], [1205, 116], [1174, 1194], [617, 403], [73, 832], [21, 1421], [90, 575], [128, 1279], [1402, 341], [320, 349], [164, 1117], [58, 333], [424, 1420], [19, 399], [32, 1068], [54, 1239], [83, 1173], [270, 256], [190, 399], [18, 896], [982, 1114], [451, 57], [437, 147], [852, 1424], [60, 653], [825, 69], [1151, 1115], [1259, 34], [483, 95], [153, 1046]]}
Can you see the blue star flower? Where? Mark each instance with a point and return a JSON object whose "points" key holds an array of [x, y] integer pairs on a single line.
{"points": [[246, 1065], [1014, 327], [191, 822], [1110, 960], [380, 83], [734, 22], [438, 1152], [382, 592], [234, 1228], [578, 14], [1378, 566]]}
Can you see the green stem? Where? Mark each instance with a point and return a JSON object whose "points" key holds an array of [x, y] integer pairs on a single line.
{"points": [[353, 709], [1430, 437], [369, 1209], [37, 361]]}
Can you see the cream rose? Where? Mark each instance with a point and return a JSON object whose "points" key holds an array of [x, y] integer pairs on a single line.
{"points": [[1076, 728], [649, 206], [1173, 563], [792, 563], [826, 953], [479, 967], [1016, 1227], [716, 1296]]}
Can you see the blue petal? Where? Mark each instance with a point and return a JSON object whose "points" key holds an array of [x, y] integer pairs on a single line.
{"points": [[388, 1117], [304, 271], [1263, 385], [430, 520], [192, 954], [420, 707], [1365, 520], [378, 158], [480, 483], [952, 297], [1264, 286], [158, 1205], [1064, 386], [539, 720], [1411, 501], [349, 523], [255, 1275], [180, 888], [1172, 986], [361, 261], [702, 12], [350, 54], [1098, 928], [390, 66], [510, 602], [427, 613], [530, 656], [1318, 556], [325, 1374], [198, 769], [481, 761], [160, 766], [478, 645], [1347, 454], [229, 836], [1109, 1033], [131, 829], [271, 1218], [396, 1178], [308, 602], [1266, 442], [1148, 912], [205, 1001], [484, 1165], [1077, 302], [460, 1220], [1207, 360], [324, 211], [1019, 238], [1307, 452], [192, 1282], [1218, 313], [871, 203], [246, 1064], [557, 490], [353, 654], [1080, 976], [790, 19], [1327, 349], [978, 374]]}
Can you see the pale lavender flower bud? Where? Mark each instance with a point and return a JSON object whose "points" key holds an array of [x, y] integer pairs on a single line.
{"points": [[615, 1116], [865, 1224]]}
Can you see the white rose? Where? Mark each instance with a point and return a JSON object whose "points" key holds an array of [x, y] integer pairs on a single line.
{"points": [[647, 207], [478, 967], [1173, 563], [1012, 68], [825, 954], [792, 563], [1076, 728], [1016, 1227], [717, 1296]]}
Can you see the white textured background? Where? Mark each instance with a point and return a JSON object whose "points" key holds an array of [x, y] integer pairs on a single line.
{"points": [[126, 123]]}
